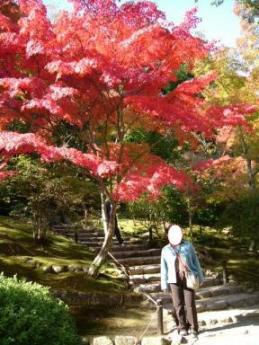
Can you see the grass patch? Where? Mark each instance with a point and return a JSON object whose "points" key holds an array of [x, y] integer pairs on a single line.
{"points": [[218, 246], [118, 322], [21, 256]]}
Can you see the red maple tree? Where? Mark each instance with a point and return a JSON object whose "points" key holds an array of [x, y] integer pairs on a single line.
{"points": [[102, 68]]}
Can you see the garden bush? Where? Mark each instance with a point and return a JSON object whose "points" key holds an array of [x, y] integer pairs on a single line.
{"points": [[30, 315]]}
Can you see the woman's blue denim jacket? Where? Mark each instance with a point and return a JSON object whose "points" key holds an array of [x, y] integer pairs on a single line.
{"points": [[168, 256]]}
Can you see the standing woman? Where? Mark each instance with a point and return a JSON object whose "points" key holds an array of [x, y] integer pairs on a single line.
{"points": [[175, 257]]}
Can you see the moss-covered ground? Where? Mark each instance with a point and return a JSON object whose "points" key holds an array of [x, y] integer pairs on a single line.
{"points": [[21, 256]]}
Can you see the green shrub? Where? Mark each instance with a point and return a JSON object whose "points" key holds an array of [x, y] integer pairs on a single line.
{"points": [[29, 315]]}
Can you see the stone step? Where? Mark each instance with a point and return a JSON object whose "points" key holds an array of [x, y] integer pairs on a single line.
{"points": [[155, 286], [148, 287], [85, 236], [140, 261], [115, 247], [100, 239], [71, 227], [213, 291], [127, 245], [62, 226], [144, 269], [71, 231], [212, 281], [206, 292], [223, 302], [144, 278], [90, 238], [125, 253]]}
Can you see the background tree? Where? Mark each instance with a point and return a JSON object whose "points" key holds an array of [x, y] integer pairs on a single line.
{"points": [[235, 172], [46, 195]]}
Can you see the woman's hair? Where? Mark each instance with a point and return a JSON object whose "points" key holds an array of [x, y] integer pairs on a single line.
{"points": [[167, 226]]}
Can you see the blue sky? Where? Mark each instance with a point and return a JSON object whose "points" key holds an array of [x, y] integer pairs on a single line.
{"points": [[218, 23]]}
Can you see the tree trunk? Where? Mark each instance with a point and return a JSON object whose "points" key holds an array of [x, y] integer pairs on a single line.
{"points": [[39, 228], [107, 244], [85, 214], [251, 175], [40, 233], [252, 246], [104, 214], [189, 209]]}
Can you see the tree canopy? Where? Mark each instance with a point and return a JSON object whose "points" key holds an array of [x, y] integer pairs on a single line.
{"points": [[103, 68]]}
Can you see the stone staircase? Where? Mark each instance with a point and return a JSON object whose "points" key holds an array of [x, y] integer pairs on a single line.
{"points": [[216, 303]]}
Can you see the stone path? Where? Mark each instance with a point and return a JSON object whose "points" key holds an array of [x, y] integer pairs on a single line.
{"points": [[244, 332], [217, 304]]}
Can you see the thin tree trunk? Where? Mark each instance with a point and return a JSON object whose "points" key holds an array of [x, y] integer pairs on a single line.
{"points": [[104, 214], [251, 175], [85, 214], [190, 215], [107, 244], [39, 228], [252, 246]]}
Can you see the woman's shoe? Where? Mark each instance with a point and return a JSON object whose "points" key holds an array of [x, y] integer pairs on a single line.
{"points": [[183, 332], [193, 333]]}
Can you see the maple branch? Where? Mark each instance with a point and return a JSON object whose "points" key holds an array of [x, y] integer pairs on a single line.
{"points": [[201, 140]]}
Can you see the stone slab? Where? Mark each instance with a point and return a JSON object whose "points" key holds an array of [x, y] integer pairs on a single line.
{"points": [[101, 341], [125, 340], [154, 341]]}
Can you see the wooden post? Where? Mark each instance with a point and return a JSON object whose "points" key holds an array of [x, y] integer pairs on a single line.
{"points": [[160, 325], [225, 274], [76, 236]]}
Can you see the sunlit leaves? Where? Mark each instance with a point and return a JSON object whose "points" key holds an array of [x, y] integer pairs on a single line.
{"points": [[103, 68]]}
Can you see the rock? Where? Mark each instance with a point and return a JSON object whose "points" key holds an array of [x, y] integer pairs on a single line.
{"points": [[30, 261], [202, 323], [227, 320], [208, 273], [123, 340], [26, 259], [46, 268], [74, 268], [58, 269], [154, 341], [101, 341], [213, 321]]}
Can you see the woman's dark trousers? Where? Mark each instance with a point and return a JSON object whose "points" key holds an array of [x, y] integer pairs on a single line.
{"points": [[184, 305]]}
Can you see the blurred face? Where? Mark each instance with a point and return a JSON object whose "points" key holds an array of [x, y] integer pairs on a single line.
{"points": [[175, 235]]}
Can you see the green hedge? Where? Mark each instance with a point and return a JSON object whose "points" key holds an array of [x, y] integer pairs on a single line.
{"points": [[29, 315]]}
